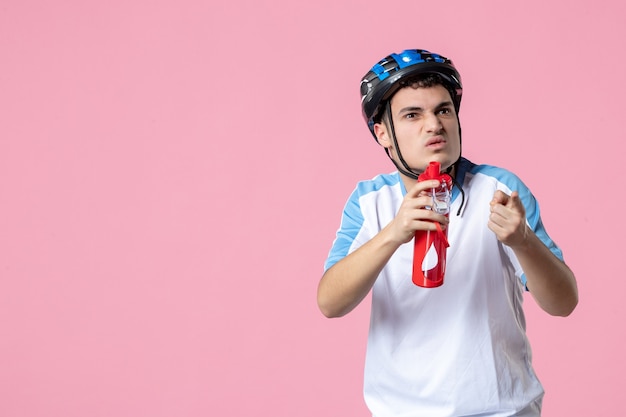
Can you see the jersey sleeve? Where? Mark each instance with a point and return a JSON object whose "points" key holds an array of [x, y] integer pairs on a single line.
{"points": [[352, 222], [533, 219]]}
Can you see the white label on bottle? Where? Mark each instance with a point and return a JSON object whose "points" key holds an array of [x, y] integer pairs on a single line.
{"points": [[431, 259]]}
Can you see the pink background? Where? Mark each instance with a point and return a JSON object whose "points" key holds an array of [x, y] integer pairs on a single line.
{"points": [[172, 174]]}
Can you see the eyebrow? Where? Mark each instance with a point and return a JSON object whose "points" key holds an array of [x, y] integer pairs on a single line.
{"points": [[419, 109]]}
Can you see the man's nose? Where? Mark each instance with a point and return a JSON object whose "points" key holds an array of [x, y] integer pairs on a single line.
{"points": [[432, 123]]}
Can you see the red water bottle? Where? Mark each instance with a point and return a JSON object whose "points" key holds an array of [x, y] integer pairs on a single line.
{"points": [[429, 253]]}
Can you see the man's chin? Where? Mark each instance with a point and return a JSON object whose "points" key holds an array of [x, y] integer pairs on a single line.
{"points": [[444, 161]]}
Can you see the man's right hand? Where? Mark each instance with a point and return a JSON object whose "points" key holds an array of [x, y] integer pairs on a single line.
{"points": [[414, 213]]}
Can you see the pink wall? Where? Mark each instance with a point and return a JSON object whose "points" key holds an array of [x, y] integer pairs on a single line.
{"points": [[172, 174]]}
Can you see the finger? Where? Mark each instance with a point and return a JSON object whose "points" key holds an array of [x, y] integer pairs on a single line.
{"points": [[422, 186], [515, 203], [497, 217], [500, 214], [499, 197]]}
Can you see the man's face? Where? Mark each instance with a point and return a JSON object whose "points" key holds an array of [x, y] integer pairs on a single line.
{"points": [[426, 127]]}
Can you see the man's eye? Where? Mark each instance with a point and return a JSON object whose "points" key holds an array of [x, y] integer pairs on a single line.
{"points": [[410, 116], [445, 111]]}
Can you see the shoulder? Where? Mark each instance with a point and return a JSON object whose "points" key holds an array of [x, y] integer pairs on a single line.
{"points": [[500, 178], [378, 185], [376, 200]]}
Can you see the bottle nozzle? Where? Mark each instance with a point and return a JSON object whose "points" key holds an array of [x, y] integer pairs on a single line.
{"points": [[434, 169], [432, 172]]}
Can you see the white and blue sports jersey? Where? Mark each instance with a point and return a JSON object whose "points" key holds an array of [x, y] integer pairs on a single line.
{"points": [[459, 349]]}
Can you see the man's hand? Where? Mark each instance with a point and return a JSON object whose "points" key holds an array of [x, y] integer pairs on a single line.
{"points": [[548, 279], [413, 214], [508, 219]]}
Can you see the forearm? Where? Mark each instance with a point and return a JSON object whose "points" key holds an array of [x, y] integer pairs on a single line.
{"points": [[348, 282], [549, 280]]}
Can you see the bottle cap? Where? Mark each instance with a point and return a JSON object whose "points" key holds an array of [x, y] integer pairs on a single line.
{"points": [[433, 172]]}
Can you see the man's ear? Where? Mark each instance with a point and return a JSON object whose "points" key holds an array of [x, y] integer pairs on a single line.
{"points": [[382, 135]]}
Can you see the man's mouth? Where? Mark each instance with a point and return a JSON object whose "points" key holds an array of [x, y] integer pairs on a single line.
{"points": [[435, 140]]}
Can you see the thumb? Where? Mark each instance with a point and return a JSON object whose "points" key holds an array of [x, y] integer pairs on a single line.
{"points": [[515, 202]]}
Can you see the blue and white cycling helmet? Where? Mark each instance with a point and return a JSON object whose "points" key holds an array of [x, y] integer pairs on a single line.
{"points": [[383, 80]]}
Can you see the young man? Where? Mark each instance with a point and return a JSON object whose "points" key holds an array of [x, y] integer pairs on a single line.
{"points": [[459, 349]]}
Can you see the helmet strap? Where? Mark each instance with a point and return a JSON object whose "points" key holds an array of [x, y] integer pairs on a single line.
{"points": [[405, 169]]}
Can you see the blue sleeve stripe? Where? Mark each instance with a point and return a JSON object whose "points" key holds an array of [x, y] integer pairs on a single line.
{"points": [[351, 223]]}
